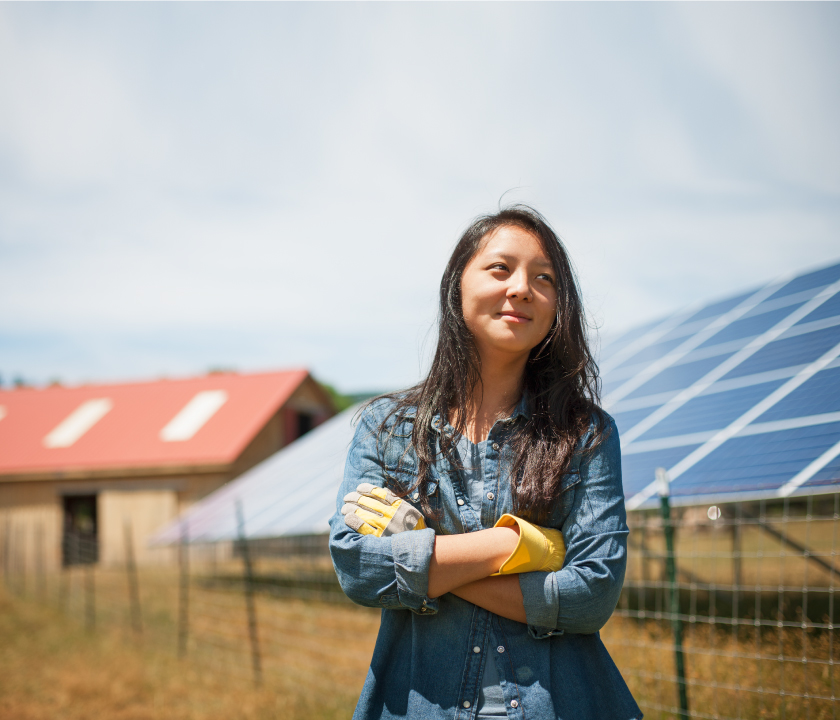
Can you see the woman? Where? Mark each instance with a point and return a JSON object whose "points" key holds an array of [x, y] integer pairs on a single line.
{"points": [[456, 492]]}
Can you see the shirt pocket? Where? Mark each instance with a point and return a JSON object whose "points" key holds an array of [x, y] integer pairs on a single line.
{"points": [[399, 464], [569, 487], [401, 475]]}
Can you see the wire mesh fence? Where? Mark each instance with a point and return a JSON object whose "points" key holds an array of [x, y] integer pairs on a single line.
{"points": [[754, 592], [279, 621]]}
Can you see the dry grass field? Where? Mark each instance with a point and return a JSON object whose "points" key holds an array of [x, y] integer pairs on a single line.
{"points": [[52, 669], [761, 640], [778, 673], [714, 553]]}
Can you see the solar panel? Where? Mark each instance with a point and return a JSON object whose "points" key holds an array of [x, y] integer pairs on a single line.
{"points": [[738, 400], [290, 493]]}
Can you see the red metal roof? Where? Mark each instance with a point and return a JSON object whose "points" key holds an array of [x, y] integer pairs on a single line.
{"points": [[128, 435]]}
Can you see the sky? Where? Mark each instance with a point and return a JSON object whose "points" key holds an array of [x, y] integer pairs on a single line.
{"points": [[255, 186]]}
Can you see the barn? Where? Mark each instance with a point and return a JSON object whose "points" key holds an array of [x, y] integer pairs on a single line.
{"points": [[85, 470]]}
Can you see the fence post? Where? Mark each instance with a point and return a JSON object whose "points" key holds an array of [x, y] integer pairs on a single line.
{"points": [[737, 573], [90, 586], [7, 544], [183, 591], [40, 568], [671, 572], [133, 583], [248, 571], [63, 583], [68, 559], [643, 551], [20, 560]]}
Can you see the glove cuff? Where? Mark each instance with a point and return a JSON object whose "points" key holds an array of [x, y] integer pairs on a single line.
{"points": [[538, 548]]}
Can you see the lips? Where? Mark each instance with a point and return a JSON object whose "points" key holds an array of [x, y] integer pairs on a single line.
{"points": [[514, 316]]}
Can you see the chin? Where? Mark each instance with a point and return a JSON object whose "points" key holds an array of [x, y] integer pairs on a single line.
{"points": [[513, 348]]}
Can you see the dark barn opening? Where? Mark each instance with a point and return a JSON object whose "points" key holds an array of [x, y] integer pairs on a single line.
{"points": [[305, 423], [80, 541]]}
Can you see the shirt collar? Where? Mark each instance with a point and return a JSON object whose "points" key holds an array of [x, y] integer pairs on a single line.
{"points": [[522, 409]]}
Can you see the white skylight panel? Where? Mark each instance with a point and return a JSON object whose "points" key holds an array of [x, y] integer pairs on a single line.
{"points": [[77, 423], [193, 416]]}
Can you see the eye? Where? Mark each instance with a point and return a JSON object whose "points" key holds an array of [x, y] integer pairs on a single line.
{"points": [[547, 277], [499, 266]]}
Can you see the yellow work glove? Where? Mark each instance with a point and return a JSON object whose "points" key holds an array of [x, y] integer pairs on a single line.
{"points": [[373, 510], [538, 548]]}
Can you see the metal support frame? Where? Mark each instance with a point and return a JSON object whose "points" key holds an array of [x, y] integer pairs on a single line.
{"points": [[790, 542]]}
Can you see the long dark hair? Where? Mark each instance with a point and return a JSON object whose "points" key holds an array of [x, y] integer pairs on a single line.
{"points": [[561, 379]]}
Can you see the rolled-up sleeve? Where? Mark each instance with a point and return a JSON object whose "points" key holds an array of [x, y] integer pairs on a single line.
{"points": [[388, 572], [581, 596]]}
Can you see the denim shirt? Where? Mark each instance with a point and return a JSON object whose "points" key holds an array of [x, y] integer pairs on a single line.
{"points": [[430, 653]]}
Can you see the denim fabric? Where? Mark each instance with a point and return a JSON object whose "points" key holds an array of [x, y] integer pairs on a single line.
{"points": [[491, 698], [425, 665]]}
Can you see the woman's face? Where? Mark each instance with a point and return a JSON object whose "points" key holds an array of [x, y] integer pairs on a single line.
{"points": [[508, 293]]}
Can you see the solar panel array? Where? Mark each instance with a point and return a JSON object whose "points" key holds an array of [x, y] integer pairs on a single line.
{"points": [[738, 400]]}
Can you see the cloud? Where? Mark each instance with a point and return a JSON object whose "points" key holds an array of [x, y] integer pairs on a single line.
{"points": [[68, 118], [779, 62], [261, 185]]}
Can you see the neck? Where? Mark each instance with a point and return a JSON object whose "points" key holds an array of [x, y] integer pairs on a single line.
{"points": [[495, 396]]}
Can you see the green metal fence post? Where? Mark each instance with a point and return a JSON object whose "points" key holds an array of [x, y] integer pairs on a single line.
{"points": [[671, 570]]}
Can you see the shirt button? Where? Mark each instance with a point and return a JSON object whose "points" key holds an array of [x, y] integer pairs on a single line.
{"points": [[476, 649], [490, 496], [466, 703], [460, 501], [416, 496], [501, 648], [514, 704], [495, 446]]}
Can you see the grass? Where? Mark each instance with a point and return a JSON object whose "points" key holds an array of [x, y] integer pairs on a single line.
{"points": [[51, 669], [315, 654], [777, 673]]}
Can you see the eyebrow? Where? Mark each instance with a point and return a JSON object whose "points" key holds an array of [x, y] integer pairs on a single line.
{"points": [[505, 256]]}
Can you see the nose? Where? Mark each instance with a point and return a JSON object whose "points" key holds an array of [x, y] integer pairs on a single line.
{"points": [[519, 287]]}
